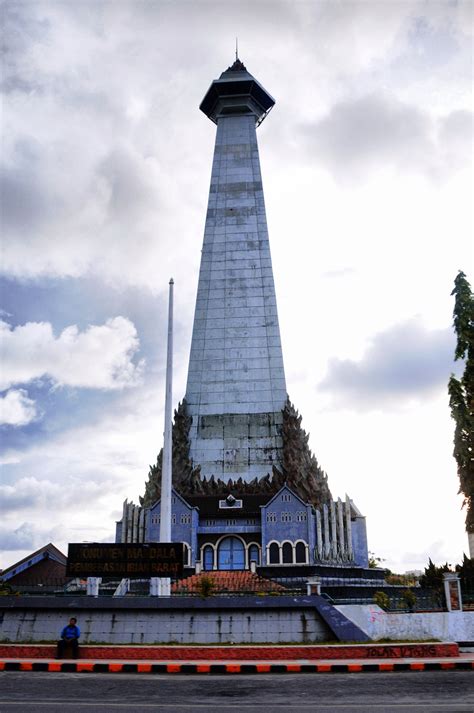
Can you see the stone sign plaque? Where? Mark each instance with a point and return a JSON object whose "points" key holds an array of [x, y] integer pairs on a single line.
{"points": [[150, 559]]}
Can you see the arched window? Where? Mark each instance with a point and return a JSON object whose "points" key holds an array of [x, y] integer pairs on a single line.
{"points": [[186, 555], [274, 553], [208, 558], [231, 554], [300, 552], [254, 554], [287, 551]]}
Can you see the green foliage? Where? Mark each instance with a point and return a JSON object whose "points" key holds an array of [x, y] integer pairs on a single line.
{"points": [[206, 586], [6, 590], [433, 576], [409, 580], [409, 598], [461, 393], [382, 600], [466, 569], [374, 561]]}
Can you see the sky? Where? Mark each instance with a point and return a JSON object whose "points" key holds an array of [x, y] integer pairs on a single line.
{"points": [[367, 170]]}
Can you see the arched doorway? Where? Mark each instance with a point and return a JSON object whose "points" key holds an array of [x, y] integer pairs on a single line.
{"points": [[254, 554], [208, 558], [231, 554]]}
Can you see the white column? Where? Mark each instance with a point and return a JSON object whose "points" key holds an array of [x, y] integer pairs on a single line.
{"points": [[350, 553], [166, 474], [319, 538], [452, 591], [135, 523], [123, 536], [141, 526], [155, 587], [340, 527], [92, 589], [333, 530], [327, 537], [129, 522]]}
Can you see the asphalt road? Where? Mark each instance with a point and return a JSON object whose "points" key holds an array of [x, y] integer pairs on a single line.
{"points": [[411, 692]]}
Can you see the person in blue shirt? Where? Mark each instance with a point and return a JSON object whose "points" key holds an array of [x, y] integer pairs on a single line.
{"points": [[69, 638]]}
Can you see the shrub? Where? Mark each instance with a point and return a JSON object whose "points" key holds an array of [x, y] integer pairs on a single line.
{"points": [[408, 580], [206, 586], [382, 600], [409, 599]]}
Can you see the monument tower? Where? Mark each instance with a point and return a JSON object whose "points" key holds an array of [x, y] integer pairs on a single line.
{"points": [[247, 491], [236, 386]]}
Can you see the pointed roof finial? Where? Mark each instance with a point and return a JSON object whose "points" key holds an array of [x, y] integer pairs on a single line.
{"points": [[236, 49]]}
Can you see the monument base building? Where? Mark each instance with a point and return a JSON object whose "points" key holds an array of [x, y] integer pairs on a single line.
{"points": [[247, 491]]}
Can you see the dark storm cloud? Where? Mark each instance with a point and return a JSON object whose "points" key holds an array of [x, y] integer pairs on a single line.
{"points": [[378, 131], [402, 363]]}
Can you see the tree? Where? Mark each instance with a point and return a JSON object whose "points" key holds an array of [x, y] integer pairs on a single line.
{"points": [[382, 600], [433, 579], [466, 568], [461, 394], [375, 562]]}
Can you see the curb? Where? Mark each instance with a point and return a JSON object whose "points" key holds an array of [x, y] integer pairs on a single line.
{"points": [[232, 668], [262, 653]]}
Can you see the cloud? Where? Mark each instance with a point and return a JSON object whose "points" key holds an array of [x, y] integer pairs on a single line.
{"points": [[21, 538], [100, 357], [78, 478], [31, 493], [340, 272], [16, 409], [455, 133], [437, 551], [378, 131], [27, 536], [404, 363], [105, 180]]}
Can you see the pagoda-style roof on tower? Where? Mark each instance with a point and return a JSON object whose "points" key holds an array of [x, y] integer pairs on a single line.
{"points": [[236, 92]]}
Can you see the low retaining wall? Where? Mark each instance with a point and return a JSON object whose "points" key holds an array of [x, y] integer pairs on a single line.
{"points": [[154, 620], [238, 653], [418, 626]]}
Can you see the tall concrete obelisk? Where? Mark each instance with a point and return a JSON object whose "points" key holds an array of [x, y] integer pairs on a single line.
{"points": [[236, 381]]}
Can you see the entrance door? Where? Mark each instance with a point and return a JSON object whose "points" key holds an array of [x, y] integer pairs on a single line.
{"points": [[231, 554]]}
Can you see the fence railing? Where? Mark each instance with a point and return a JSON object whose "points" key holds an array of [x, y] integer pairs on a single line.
{"points": [[467, 591], [352, 591]]}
